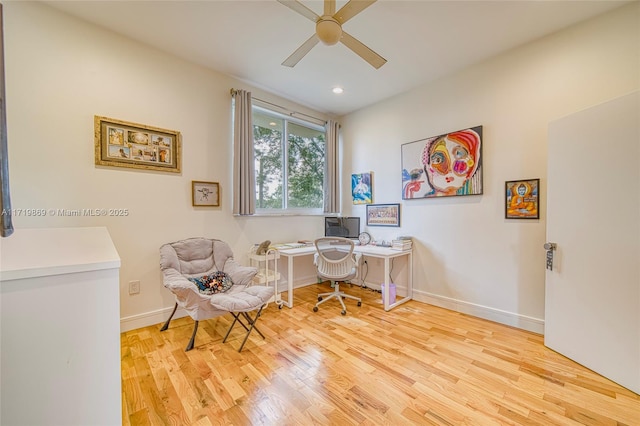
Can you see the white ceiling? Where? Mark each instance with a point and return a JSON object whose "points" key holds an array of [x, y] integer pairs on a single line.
{"points": [[421, 40]]}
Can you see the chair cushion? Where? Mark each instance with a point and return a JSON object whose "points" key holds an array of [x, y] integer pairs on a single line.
{"points": [[215, 282], [249, 299]]}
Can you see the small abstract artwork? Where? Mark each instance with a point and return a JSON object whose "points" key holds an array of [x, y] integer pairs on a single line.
{"points": [[362, 188], [205, 194], [445, 165], [522, 199]]}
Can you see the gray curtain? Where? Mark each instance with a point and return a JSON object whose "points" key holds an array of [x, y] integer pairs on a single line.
{"points": [[6, 228], [244, 200], [332, 176]]}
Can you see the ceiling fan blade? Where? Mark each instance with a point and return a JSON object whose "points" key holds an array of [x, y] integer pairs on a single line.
{"points": [[295, 57], [329, 7], [363, 51], [351, 9], [300, 8]]}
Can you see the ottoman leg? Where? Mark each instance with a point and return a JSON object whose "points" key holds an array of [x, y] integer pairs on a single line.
{"points": [[251, 322]]}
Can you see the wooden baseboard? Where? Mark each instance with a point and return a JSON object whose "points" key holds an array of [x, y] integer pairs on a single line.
{"points": [[146, 319], [535, 325]]}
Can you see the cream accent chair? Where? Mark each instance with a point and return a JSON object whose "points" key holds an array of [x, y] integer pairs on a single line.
{"points": [[196, 257]]}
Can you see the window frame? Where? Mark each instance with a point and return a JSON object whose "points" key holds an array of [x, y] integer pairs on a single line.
{"points": [[286, 211]]}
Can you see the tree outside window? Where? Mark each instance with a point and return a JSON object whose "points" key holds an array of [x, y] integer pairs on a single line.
{"points": [[289, 170]]}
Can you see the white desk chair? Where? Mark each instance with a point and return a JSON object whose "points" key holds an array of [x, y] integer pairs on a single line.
{"points": [[335, 261]]}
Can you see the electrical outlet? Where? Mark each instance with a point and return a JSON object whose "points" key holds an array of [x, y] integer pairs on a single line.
{"points": [[134, 287]]}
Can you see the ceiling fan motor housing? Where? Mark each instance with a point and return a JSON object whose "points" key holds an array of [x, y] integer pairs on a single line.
{"points": [[328, 30]]}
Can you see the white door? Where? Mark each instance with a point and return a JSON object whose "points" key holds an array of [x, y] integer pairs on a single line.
{"points": [[592, 299]]}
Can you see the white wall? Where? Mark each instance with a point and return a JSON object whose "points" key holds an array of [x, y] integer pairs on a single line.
{"points": [[60, 72], [468, 257]]}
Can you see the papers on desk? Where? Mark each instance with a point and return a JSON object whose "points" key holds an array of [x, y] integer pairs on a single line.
{"points": [[402, 243], [285, 246]]}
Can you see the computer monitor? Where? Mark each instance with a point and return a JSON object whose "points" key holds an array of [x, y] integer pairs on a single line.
{"points": [[347, 227]]}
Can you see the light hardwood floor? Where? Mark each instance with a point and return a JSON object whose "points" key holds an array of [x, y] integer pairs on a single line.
{"points": [[417, 364]]}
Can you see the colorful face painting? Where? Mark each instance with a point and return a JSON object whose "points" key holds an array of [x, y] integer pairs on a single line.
{"points": [[444, 165]]}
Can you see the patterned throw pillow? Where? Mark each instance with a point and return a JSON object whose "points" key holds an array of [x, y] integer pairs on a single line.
{"points": [[215, 282]]}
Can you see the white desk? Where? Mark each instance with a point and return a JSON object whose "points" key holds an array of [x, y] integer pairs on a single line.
{"points": [[384, 253]]}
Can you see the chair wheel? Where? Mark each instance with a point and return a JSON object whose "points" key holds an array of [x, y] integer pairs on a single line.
{"points": [[343, 312], [315, 309], [319, 299], [280, 306], [359, 303]]}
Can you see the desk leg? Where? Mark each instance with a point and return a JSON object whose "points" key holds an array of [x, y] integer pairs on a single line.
{"points": [[410, 278], [386, 284], [290, 281]]}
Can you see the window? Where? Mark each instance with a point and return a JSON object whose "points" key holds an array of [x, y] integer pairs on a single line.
{"points": [[289, 162]]}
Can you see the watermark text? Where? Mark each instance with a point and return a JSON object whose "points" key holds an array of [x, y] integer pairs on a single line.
{"points": [[65, 212]]}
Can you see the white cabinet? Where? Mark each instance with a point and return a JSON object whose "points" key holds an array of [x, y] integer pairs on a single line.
{"points": [[268, 274], [60, 328]]}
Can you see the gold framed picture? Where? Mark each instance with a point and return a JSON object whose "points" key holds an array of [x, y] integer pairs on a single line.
{"points": [[123, 144], [205, 194]]}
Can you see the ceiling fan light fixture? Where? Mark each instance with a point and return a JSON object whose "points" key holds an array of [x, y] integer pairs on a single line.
{"points": [[328, 30]]}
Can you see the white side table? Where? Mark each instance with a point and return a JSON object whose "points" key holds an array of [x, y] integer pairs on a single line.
{"points": [[268, 274]]}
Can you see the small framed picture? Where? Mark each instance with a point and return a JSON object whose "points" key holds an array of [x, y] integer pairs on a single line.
{"points": [[383, 214], [205, 194], [362, 188], [522, 199]]}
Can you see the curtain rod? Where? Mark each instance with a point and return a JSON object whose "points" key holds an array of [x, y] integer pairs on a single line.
{"points": [[234, 91]]}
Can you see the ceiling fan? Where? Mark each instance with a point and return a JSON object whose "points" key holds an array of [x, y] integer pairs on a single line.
{"points": [[329, 30]]}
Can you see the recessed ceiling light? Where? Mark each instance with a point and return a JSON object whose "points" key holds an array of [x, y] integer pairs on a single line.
{"points": [[338, 90]]}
